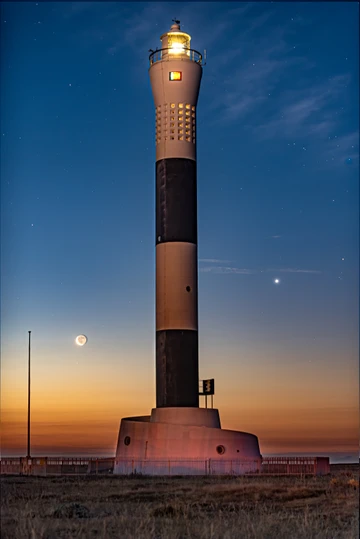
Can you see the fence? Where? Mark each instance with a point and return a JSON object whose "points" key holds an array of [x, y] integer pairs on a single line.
{"points": [[44, 466], [295, 465], [57, 466], [186, 467]]}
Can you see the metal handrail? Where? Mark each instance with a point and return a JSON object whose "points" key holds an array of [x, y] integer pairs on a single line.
{"points": [[157, 56]]}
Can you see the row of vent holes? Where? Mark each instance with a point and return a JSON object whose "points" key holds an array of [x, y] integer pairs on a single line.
{"points": [[187, 117], [180, 106], [172, 112], [179, 132], [180, 137], [180, 127]]}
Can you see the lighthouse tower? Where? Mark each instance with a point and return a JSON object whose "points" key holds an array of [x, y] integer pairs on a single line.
{"points": [[179, 437], [175, 75]]}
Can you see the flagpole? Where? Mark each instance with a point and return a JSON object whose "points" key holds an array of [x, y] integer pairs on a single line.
{"points": [[28, 418]]}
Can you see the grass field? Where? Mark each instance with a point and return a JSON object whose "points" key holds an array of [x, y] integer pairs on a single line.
{"points": [[182, 507]]}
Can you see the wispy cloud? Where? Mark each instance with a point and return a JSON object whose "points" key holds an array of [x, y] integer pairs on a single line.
{"points": [[247, 271], [305, 111], [292, 270], [213, 261], [263, 58], [228, 270]]}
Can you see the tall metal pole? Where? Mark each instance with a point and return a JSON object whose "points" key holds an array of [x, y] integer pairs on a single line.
{"points": [[28, 420]]}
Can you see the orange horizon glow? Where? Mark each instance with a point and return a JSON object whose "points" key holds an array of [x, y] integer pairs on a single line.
{"points": [[76, 406]]}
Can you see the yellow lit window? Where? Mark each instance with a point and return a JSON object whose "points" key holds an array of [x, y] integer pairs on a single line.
{"points": [[172, 105], [180, 138], [181, 105], [181, 124], [188, 139], [175, 75], [187, 106], [193, 107]]}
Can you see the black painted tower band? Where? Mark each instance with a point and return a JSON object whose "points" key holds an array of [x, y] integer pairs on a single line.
{"points": [[177, 362], [176, 201]]}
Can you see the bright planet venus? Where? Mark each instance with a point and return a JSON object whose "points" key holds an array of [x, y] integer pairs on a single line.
{"points": [[81, 340]]}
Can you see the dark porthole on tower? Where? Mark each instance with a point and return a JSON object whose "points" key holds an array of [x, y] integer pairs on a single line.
{"points": [[220, 449], [188, 289], [127, 440]]}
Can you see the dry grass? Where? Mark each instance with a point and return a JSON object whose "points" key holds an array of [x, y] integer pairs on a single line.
{"points": [[179, 508]]}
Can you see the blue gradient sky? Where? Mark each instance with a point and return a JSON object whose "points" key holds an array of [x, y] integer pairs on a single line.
{"points": [[277, 198]]}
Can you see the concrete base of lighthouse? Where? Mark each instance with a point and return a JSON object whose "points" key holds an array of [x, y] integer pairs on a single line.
{"points": [[184, 441]]}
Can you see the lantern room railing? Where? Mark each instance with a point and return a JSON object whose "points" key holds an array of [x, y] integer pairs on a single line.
{"points": [[169, 54]]}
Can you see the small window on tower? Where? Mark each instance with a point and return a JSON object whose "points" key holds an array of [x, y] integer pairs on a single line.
{"points": [[175, 75], [172, 138], [172, 105], [187, 113], [181, 124], [181, 131], [180, 137], [187, 106], [193, 107], [181, 105], [188, 139]]}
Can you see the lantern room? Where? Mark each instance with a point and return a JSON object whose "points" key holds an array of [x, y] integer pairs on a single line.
{"points": [[175, 43]]}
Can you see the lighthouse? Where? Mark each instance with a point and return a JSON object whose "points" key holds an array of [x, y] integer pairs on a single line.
{"points": [[175, 75], [179, 437]]}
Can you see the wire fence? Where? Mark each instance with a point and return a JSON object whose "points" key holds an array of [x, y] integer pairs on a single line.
{"points": [[43, 466]]}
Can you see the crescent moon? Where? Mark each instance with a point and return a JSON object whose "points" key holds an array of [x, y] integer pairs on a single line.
{"points": [[81, 340]]}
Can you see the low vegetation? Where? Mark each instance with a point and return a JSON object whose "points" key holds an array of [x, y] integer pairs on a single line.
{"points": [[182, 507]]}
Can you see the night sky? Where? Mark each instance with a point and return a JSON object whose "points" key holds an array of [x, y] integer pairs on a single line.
{"points": [[278, 169]]}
